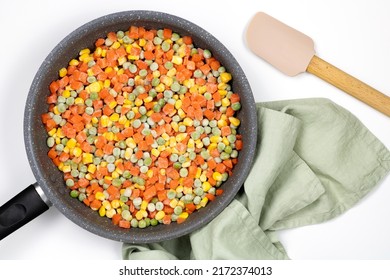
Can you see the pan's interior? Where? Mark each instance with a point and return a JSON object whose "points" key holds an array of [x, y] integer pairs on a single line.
{"points": [[51, 180]]}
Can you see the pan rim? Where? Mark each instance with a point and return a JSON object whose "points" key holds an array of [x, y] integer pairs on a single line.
{"points": [[147, 236]]}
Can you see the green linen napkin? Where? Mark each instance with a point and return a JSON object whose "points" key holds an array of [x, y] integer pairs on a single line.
{"points": [[314, 161]]}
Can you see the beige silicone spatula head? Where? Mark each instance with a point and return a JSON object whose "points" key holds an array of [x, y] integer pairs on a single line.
{"points": [[292, 52], [285, 48]]}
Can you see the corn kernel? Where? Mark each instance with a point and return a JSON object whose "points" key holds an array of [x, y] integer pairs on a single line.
{"points": [[217, 176], [183, 215], [114, 117], [225, 77], [63, 72], [198, 172], [87, 158], [171, 72], [234, 121], [115, 203], [149, 173], [166, 80], [225, 141], [160, 215], [222, 92], [225, 102], [109, 135], [112, 104], [175, 127], [206, 186], [162, 171], [139, 216], [85, 57], [203, 178], [142, 42], [100, 196], [177, 60], [52, 132], [106, 204], [221, 123], [128, 153], [138, 102], [66, 169], [204, 201], [130, 143], [60, 133], [77, 152], [144, 205], [155, 152], [181, 136], [74, 62], [102, 211], [188, 122], [173, 203], [85, 51], [222, 86], [178, 104], [71, 143], [116, 45], [79, 101], [181, 113], [215, 139]]}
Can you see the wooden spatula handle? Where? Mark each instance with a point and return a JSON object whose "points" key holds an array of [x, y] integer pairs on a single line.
{"points": [[349, 84]]}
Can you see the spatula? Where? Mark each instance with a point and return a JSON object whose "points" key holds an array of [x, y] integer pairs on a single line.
{"points": [[292, 52]]}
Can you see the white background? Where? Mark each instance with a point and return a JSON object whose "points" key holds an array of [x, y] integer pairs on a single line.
{"points": [[351, 34]]}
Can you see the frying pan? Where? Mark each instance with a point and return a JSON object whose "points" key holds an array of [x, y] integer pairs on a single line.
{"points": [[50, 188]]}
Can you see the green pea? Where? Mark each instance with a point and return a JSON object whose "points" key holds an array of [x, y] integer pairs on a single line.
{"points": [[177, 210], [234, 154], [159, 206], [168, 65], [195, 135], [133, 68], [59, 147], [134, 223], [165, 46], [143, 169], [74, 193], [153, 222], [236, 106], [91, 79], [130, 82], [177, 165], [136, 123], [228, 150], [224, 156], [126, 215], [153, 66], [183, 172], [89, 110], [69, 182], [50, 142], [198, 73], [182, 128], [197, 200], [206, 53], [231, 138], [171, 194], [62, 107], [175, 87], [143, 72], [148, 161], [82, 196], [130, 115], [157, 40]]}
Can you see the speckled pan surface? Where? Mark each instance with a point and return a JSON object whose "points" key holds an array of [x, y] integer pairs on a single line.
{"points": [[51, 180]]}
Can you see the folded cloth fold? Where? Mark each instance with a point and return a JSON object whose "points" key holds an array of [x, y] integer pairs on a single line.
{"points": [[314, 160]]}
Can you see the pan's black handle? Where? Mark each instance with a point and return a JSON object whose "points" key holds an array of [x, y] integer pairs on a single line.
{"points": [[21, 209]]}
